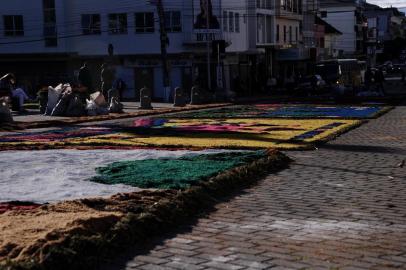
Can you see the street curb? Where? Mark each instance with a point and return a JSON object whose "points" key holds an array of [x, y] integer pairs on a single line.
{"points": [[85, 119]]}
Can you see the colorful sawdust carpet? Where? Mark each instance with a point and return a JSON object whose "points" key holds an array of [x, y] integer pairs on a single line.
{"points": [[287, 111], [187, 133], [172, 173]]}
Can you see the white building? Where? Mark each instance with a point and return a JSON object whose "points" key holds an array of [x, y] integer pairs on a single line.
{"points": [[50, 39], [347, 17], [47, 40]]}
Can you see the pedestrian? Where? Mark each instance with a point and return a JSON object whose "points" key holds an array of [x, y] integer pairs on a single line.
{"points": [[379, 80], [85, 77], [368, 78], [402, 74], [20, 94], [8, 86], [237, 84], [120, 85], [107, 79]]}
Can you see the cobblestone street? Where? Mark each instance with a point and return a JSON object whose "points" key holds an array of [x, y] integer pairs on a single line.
{"points": [[340, 207]]}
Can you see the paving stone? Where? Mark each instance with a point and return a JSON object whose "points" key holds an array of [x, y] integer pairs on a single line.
{"points": [[223, 266], [342, 206]]}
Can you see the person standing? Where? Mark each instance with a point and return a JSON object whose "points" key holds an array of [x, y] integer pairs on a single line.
{"points": [[6, 85], [85, 77], [368, 78], [379, 80], [120, 85], [107, 78]]}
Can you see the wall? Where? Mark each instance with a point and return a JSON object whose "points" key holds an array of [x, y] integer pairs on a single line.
{"points": [[33, 28], [343, 19]]}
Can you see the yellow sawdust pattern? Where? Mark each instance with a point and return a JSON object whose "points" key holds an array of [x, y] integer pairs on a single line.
{"points": [[264, 133]]}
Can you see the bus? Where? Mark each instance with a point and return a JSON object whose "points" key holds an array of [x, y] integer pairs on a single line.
{"points": [[345, 73]]}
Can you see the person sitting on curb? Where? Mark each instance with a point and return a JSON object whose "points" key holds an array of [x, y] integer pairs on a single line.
{"points": [[6, 85], [20, 94], [8, 81]]}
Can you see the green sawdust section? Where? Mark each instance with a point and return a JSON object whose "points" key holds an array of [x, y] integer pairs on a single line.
{"points": [[167, 173]]}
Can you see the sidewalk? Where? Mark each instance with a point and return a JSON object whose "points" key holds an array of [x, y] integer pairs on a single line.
{"points": [[34, 115], [340, 207], [34, 120]]}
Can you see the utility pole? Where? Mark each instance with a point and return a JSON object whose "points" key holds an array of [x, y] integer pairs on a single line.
{"points": [[164, 43], [208, 46]]}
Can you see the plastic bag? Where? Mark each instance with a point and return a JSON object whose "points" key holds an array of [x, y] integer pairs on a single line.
{"points": [[76, 107], [53, 97], [115, 106], [5, 113], [98, 98], [62, 105], [91, 107]]}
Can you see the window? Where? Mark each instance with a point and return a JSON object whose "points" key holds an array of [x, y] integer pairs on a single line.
{"points": [[284, 33], [91, 24], [225, 21], [322, 42], [49, 4], [295, 6], [289, 4], [290, 34], [277, 33], [173, 22], [237, 22], [297, 34], [231, 21], [283, 4], [13, 25], [144, 22], [118, 23], [50, 29]]}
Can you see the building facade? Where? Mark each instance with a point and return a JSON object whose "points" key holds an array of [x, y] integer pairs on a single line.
{"points": [[56, 36], [46, 41], [347, 16]]}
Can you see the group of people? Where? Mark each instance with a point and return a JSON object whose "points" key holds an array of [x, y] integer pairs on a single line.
{"points": [[108, 81], [82, 88], [78, 98]]}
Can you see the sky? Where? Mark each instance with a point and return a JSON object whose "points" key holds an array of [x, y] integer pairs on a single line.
{"points": [[395, 3]]}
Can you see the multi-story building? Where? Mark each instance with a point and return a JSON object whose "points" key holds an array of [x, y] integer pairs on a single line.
{"points": [[49, 39], [347, 16], [385, 25], [292, 56], [326, 40], [310, 9]]}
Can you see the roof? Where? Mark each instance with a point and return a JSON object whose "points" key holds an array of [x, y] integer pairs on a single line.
{"points": [[341, 3], [329, 29]]}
